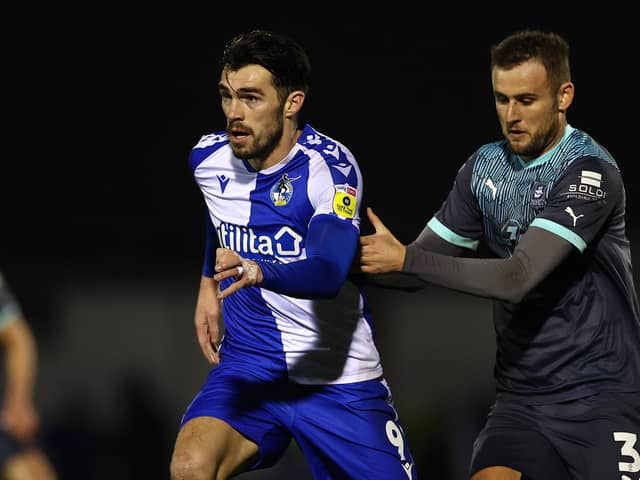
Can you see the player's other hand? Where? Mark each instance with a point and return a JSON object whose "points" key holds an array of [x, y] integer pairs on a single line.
{"points": [[208, 320], [380, 252]]}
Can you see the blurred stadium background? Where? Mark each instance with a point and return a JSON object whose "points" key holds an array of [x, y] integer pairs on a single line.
{"points": [[102, 234]]}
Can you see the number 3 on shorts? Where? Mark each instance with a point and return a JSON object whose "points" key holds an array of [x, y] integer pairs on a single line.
{"points": [[628, 449]]}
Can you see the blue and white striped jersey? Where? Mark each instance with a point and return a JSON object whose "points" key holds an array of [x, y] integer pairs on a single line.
{"points": [[289, 325], [578, 332]]}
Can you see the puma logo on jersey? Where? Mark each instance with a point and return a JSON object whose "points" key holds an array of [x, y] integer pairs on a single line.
{"points": [[492, 186], [575, 217]]}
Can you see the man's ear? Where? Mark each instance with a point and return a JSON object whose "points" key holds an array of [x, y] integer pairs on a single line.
{"points": [[294, 103], [565, 95]]}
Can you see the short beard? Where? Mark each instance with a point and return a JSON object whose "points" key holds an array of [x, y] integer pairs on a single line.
{"points": [[262, 147], [539, 142]]}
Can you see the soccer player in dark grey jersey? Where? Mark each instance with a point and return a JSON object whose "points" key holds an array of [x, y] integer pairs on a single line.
{"points": [[548, 202]]}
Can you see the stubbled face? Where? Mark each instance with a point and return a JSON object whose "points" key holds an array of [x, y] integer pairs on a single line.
{"points": [[253, 110], [527, 108]]}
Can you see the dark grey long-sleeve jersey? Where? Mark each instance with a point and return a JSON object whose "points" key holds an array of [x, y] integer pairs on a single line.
{"points": [[566, 311]]}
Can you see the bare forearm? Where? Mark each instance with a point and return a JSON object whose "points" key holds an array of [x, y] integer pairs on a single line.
{"points": [[20, 363]]}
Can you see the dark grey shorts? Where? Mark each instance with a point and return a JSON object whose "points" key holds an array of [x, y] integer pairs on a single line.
{"points": [[592, 438]]}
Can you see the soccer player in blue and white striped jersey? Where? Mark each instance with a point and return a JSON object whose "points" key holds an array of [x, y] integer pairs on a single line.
{"points": [[548, 201], [288, 333]]}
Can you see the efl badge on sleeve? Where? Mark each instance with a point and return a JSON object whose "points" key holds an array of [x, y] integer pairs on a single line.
{"points": [[344, 201]]}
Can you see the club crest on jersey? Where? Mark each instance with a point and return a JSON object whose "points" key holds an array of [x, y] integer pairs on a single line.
{"points": [[282, 190], [539, 194], [344, 201]]}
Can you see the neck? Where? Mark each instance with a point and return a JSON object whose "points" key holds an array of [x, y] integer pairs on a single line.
{"points": [[287, 141], [551, 143]]}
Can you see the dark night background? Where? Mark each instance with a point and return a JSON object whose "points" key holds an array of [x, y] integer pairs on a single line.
{"points": [[103, 224]]}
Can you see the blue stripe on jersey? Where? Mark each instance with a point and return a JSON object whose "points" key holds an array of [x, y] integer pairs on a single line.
{"points": [[250, 335], [210, 246], [331, 246], [561, 231]]}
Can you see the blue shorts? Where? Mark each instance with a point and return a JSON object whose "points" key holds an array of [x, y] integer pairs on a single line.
{"points": [[591, 438], [346, 431]]}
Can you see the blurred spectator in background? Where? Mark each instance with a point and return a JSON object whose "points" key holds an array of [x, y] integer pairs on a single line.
{"points": [[20, 456]]}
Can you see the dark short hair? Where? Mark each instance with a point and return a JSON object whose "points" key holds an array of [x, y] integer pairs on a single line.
{"points": [[549, 48], [281, 55]]}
